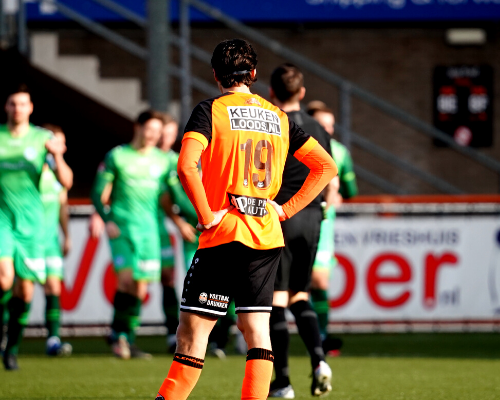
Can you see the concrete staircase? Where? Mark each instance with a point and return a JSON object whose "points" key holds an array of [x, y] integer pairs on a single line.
{"points": [[82, 73]]}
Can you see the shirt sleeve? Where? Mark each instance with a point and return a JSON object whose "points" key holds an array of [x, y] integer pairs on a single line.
{"points": [[199, 126], [106, 173], [297, 137], [348, 185], [322, 171], [187, 169]]}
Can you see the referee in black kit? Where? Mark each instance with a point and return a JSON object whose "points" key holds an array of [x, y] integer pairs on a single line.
{"points": [[301, 235]]}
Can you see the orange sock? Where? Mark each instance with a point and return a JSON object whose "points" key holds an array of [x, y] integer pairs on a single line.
{"points": [[181, 379], [258, 372]]}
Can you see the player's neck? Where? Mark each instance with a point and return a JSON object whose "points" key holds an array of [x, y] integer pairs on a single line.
{"points": [[289, 107], [18, 130], [238, 89], [139, 147]]}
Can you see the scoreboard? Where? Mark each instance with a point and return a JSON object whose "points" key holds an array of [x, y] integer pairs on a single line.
{"points": [[463, 104]]}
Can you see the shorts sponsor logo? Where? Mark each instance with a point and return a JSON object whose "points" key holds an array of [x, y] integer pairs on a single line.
{"points": [[119, 261], [247, 205], [30, 153], [254, 119], [217, 300], [183, 300], [203, 298]]}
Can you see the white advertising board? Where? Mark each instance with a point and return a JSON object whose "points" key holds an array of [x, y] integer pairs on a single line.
{"points": [[416, 269], [390, 269]]}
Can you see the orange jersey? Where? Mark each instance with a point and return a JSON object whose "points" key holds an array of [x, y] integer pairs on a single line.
{"points": [[246, 142]]}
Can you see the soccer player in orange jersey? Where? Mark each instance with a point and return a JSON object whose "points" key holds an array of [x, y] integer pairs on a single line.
{"points": [[243, 141]]}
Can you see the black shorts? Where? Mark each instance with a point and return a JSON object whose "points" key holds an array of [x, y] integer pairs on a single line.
{"points": [[301, 233], [230, 271]]}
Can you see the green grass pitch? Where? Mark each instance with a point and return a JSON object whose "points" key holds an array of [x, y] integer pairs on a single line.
{"points": [[378, 367]]}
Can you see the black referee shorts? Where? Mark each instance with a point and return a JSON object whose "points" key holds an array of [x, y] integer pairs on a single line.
{"points": [[301, 234], [230, 271]]}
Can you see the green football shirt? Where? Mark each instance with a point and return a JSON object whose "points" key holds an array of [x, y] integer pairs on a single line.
{"points": [[21, 163], [138, 179], [347, 177]]}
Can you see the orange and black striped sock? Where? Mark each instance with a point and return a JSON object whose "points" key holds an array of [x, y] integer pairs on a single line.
{"points": [[181, 379], [258, 372]]}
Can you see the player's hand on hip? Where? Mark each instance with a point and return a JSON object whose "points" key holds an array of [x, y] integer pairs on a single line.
{"points": [[278, 209], [56, 146], [112, 230], [218, 215]]}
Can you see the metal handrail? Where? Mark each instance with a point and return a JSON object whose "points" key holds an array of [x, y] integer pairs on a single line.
{"points": [[378, 181], [347, 88], [343, 84], [377, 151], [101, 30]]}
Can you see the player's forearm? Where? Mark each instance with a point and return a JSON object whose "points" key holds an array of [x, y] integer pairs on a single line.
{"points": [[63, 172], [96, 195], [64, 219], [187, 168], [323, 170]]}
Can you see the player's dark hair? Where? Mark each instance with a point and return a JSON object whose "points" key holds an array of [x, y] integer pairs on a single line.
{"points": [[145, 116], [168, 119], [286, 81], [17, 88], [233, 60], [318, 106]]}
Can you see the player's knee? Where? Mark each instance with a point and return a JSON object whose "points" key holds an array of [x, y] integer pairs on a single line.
{"points": [[254, 330], [6, 274], [167, 277], [140, 290], [6, 282], [298, 296], [126, 282], [24, 290], [53, 287]]}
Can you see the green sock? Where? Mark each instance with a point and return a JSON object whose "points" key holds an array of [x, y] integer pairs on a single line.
{"points": [[319, 299], [171, 309], [134, 320], [19, 314], [4, 314], [52, 315], [121, 304]]}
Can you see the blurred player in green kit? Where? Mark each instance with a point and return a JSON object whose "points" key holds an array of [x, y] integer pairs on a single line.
{"points": [[133, 177], [55, 204], [325, 259], [177, 206], [24, 149]]}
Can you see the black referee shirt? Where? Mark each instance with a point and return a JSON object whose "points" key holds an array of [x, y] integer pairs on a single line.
{"points": [[295, 173]]}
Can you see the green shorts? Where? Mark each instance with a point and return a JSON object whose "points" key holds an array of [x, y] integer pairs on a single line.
{"points": [[53, 258], [167, 251], [25, 248], [139, 252], [325, 258]]}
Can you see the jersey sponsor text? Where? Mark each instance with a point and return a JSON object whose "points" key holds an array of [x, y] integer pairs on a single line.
{"points": [[254, 119]]}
